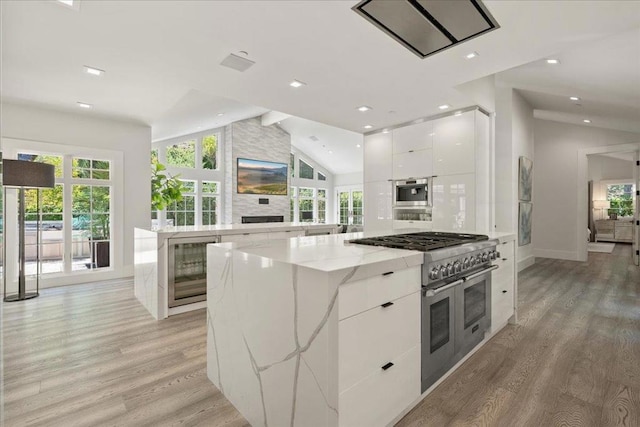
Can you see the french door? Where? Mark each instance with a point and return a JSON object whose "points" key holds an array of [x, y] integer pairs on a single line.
{"points": [[350, 207], [636, 223], [76, 234]]}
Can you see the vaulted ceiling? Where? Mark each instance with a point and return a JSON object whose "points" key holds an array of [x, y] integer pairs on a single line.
{"points": [[162, 62]]}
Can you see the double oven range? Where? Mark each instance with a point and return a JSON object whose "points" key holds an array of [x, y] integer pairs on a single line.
{"points": [[456, 294]]}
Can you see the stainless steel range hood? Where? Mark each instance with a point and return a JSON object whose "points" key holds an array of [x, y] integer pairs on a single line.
{"points": [[426, 27]]}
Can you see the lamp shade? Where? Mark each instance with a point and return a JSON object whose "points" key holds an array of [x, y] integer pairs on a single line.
{"points": [[601, 204], [21, 173]]}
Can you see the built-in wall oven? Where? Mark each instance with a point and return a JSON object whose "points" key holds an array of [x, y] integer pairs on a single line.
{"points": [[187, 272], [413, 199]]}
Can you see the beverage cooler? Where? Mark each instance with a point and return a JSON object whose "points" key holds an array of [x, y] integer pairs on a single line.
{"points": [[187, 273]]}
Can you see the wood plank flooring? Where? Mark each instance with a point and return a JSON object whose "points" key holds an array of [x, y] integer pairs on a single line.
{"points": [[90, 355], [572, 360]]}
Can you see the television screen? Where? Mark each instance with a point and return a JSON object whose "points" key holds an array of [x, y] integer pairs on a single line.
{"points": [[260, 177]]}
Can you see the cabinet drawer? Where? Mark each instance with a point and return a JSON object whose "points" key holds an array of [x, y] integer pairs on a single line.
{"points": [[504, 274], [360, 295], [380, 397], [370, 339], [501, 305]]}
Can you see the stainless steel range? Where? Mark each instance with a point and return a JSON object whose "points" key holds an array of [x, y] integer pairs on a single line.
{"points": [[456, 294]]}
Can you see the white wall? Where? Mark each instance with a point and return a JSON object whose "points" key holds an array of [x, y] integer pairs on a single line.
{"points": [[556, 183], [87, 130], [342, 179], [514, 138]]}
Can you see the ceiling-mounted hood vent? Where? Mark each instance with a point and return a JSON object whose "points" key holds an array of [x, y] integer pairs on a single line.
{"points": [[428, 26]]}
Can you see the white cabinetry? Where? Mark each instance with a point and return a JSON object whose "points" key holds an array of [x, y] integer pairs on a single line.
{"points": [[244, 237], [379, 347], [454, 202], [413, 138], [377, 157], [377, 205], [454, 144], [413, 164], [503, 287]]}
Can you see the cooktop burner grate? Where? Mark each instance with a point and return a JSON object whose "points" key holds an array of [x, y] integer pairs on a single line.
{"points": [[424, 241]]}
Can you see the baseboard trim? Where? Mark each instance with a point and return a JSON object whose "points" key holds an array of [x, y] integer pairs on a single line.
{"points": [[550, 253], [526, 262]]}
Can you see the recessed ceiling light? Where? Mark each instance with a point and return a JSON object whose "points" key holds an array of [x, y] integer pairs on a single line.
{"points": [[367, 126], [364, 108], [330, 152], [220, 114], [444, 106], [574, 98], [297, 83], [553, 61], [93, 71], [587, 121], [84, 105], [358, 145], [471, 55]]}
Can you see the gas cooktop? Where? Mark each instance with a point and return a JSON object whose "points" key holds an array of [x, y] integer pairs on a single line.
{"points": [[423, 241]]}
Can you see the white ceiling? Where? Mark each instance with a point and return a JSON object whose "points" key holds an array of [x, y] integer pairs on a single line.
{"points": [[162, 62]]}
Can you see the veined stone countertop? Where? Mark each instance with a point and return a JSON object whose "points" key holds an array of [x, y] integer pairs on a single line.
{"points": [[226, 229], [334, 254]]}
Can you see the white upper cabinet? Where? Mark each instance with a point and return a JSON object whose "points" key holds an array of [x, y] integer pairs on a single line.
{"points": [[414, 164], [377, 205], [377, 157], [413, 138], [454, 150]]}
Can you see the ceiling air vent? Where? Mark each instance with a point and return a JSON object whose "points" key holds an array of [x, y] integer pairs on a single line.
{"points": [[426, 27], [237, 62]]}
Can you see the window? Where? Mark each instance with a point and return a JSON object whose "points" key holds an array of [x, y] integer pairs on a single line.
{"points": [[196, 160], [184, 212], [91, 222], [321, 176], [293, 203], [621, 198], [182, 154], [306, 171], [305, 204], [350, 207], [210, 152], [90, 169], [322, 206], [209, 202]]}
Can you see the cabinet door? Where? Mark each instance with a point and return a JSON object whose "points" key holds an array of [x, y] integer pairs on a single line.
{"points": [[454, 144], [414, 137], [414, 164], [377, 157], [244, 237], [377, 202], [454, 203], [502, 287]]}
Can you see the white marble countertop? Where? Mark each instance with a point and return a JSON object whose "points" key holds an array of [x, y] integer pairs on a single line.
{"points": [[333, 254], [225, 229]]}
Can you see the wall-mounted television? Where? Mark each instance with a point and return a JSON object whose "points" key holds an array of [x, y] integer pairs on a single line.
{"points": [[262, 177]]}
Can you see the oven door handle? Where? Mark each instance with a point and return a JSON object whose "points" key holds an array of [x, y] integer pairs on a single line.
{"points": [[434, 292], [480, 273]]}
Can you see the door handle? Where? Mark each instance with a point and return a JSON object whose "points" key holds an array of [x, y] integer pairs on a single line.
{"points": [[434, 292], [389, 304]]}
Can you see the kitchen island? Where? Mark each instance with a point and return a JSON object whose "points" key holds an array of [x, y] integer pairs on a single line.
{"points": [[315, 330], [152, 259]]}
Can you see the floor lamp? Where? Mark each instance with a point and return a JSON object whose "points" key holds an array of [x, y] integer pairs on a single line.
{"points": [[23, 174]]}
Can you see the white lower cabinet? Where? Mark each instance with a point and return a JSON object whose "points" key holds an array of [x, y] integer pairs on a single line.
{"points": [[379, 347], [370, 340], [503, 287], [383, 394], [285, 234]]}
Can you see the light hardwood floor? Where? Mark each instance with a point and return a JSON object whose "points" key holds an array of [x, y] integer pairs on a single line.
{"points": [[91, 355]]}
